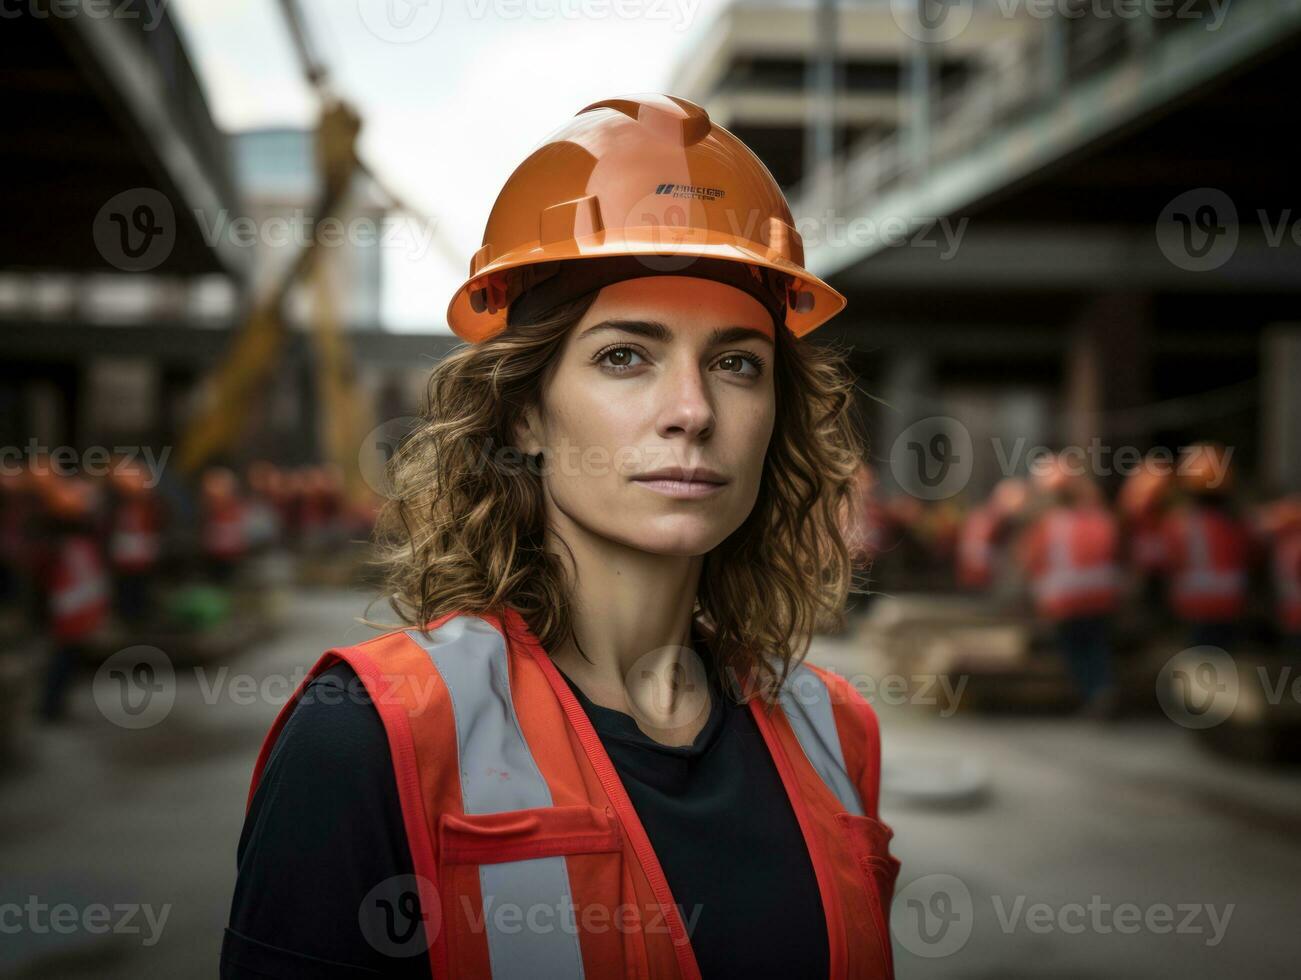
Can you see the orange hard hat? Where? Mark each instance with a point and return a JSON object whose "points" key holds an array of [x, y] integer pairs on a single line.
{"points": [[1205, 469], [70, 498], [1051, 474], [128, 478], [1281, 516], [219, 483], [649, 185], [1146, 487], [1009, 496]]}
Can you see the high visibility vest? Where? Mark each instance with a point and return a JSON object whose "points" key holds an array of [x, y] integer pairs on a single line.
{"points": [[1076, 574], [78, 593], [223, 530], [133, 545], [1287, 581], [1148, 548], [1208, 581], [514, 811], [976, 549]]}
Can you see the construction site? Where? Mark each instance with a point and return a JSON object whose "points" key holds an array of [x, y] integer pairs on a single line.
{"points": [[1069, 238]]}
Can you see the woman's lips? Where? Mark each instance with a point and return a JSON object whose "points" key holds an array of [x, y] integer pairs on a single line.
{"points": [[684, 489]]}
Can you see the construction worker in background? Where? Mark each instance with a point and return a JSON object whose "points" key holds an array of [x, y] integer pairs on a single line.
{"points": [[75, 583], [1070, 555], [262, 523], [294, 507], [1280, 527], [1208, 550], [134, 540], [312, 507], [1142, 503], [222, 523], [322, 494], [984, 530]]}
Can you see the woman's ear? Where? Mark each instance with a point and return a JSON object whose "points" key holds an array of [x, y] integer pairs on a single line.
{"points": [[526, 432]]}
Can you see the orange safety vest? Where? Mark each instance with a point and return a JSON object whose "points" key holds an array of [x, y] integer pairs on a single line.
{"points": [[1208, 553], [976, 548], [133, 546], [223, 529], [1074, 572], [1148, 548], [78, 589], [511, 805]]}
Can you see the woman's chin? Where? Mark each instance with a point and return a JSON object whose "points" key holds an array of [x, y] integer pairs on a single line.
{"points": [[680, 536]]}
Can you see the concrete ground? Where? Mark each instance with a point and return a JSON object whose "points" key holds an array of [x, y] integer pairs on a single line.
{"points": [[1094, 850]]}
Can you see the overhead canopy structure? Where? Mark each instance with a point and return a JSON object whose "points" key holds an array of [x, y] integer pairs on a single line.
{"points": [[96, 105]]}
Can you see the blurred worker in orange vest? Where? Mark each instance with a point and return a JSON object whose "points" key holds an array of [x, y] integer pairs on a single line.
{"points": [[222, 523], [263, 522], [1280, 527], [75, 583], [984, 529], [322, 507], [1142, 502], [1209, 550], [135, 540], [1070, 555]]}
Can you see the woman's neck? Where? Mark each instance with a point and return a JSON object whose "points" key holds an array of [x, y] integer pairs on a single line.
{"points": [[631, 613]]}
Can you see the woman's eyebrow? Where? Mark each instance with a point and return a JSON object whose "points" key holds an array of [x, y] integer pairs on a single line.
{"points": [[654, 330]]}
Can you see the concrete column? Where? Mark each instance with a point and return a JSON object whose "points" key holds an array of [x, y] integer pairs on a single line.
{"points": [[908, 396], [1280, 410], [1108, 370]]}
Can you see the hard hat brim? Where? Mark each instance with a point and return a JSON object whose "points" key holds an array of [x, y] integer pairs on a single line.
{"points": [[474, 326]]}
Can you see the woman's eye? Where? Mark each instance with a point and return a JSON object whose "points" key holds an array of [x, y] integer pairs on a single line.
{"points": [[733, 363], [619, 358]]}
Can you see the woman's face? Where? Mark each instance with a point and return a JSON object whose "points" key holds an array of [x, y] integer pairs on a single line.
{"points": [[661, 372]]}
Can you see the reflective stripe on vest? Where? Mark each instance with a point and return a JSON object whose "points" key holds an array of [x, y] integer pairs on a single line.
{"points": [[81, 583], [807, 704], [1064, 579], [1200, 579], [470, 656]]}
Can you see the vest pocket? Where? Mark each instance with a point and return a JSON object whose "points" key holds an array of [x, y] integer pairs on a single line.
{"points": [[536, 892], [870, 843], [514, 835]]}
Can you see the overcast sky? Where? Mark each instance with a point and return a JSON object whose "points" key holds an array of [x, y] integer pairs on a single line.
{"points": [[453, 94]]}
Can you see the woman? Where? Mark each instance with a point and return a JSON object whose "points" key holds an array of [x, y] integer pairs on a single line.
{"points": [[617, 525]]}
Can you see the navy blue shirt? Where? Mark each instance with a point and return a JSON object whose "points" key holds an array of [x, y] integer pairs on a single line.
{"points": [[325, 829]]}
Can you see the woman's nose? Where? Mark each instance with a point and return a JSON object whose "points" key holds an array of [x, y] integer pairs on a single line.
{"points": [[686, 406]]}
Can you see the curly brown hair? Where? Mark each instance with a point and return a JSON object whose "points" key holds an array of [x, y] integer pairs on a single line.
{"points": [[464, 527]]}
